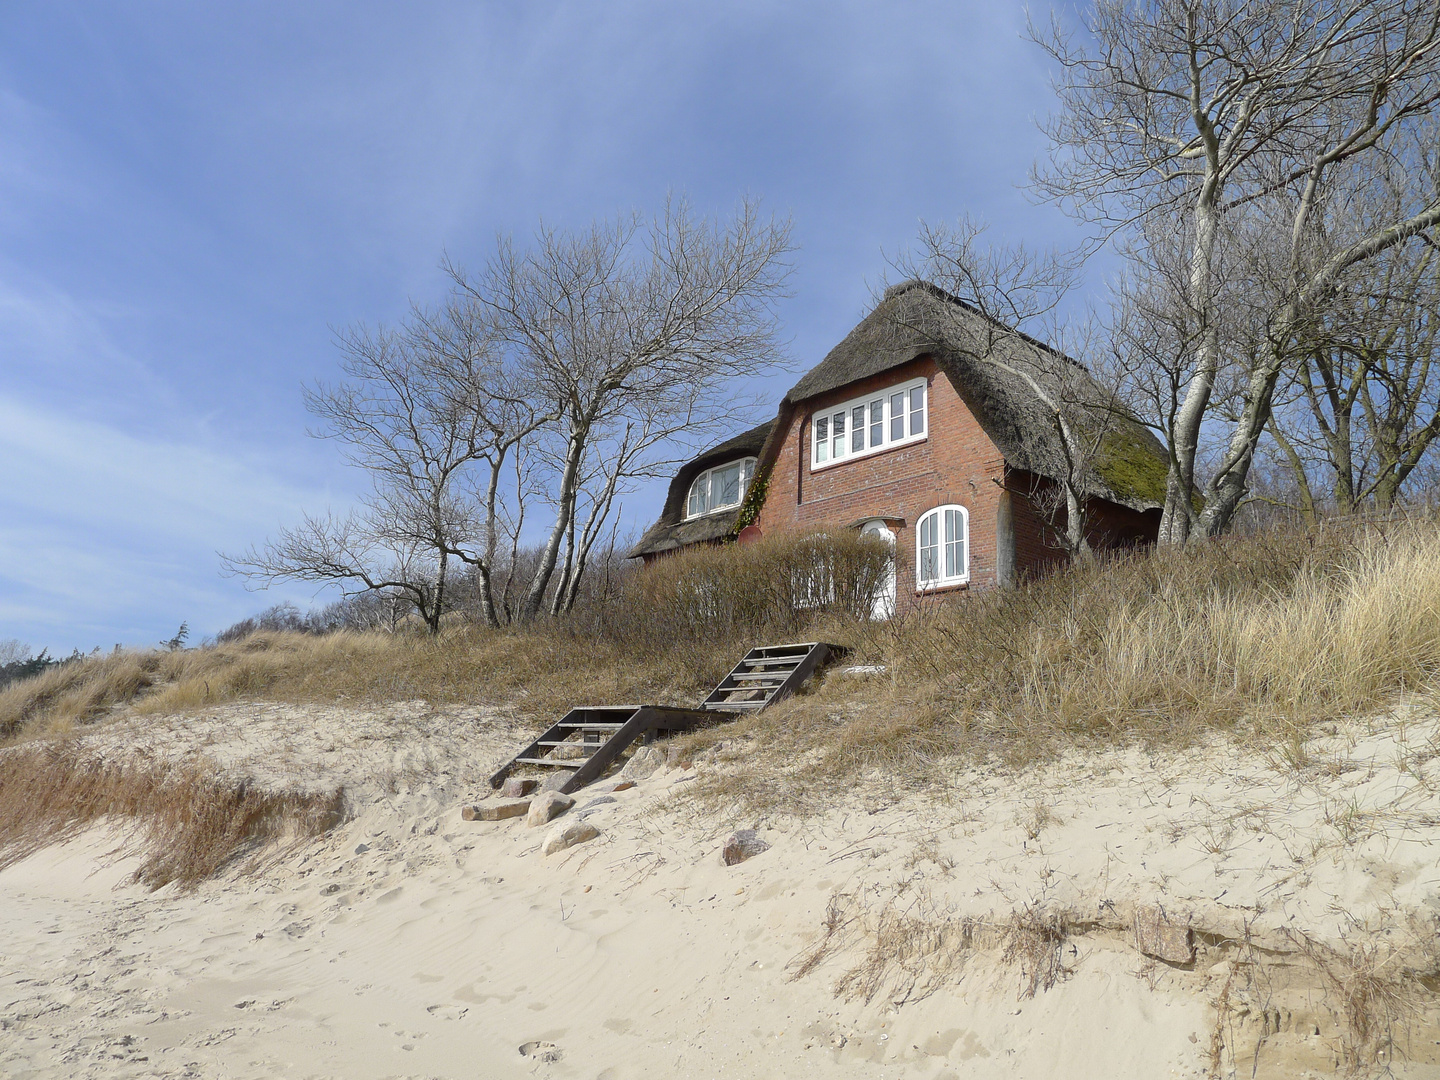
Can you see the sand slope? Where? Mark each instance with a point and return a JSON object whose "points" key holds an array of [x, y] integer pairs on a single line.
{"points": [[410, 943]]}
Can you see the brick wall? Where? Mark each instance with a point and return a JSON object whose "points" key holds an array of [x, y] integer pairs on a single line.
{"points": [[1037, 544], [956, 463]]}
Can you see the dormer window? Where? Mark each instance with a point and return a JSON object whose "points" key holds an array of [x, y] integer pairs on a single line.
{"points": [[720, 488], [879, 421]]}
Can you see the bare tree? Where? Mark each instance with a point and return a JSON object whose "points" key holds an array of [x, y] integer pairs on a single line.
{"points": [[421, 408], [456, 349], [1016, 292], [1362, 406], [636, 335], [1237, 121]]}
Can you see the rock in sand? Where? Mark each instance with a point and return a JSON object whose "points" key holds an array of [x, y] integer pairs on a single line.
{"points": [[1163, 937], [567, 834], [643, 763], [546, 807], [495, 811], [742, 844]]}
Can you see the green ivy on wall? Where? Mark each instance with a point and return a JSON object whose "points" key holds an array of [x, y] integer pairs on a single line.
{"points": [[754, 500]]}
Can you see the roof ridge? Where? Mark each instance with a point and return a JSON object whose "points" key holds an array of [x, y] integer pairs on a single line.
{"points": [[912, 284]]}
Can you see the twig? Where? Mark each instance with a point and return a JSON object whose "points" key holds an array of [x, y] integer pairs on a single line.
{"points": [[637, 855]]}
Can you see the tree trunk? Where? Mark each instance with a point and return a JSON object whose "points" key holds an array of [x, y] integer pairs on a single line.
{"points": [[487, 598], [432, 620], [1179, 516], [535, 594], [1297, 468], [567, 570]]}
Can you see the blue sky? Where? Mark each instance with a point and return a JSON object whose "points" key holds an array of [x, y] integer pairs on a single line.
{"points": [[193, 195]]}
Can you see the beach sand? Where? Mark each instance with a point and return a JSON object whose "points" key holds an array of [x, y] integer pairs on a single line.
{"points": [[411, 943]]}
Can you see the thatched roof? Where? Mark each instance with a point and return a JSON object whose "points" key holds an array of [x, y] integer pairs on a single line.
{"points": [[992, 368], [996, 372], [672, 530]]}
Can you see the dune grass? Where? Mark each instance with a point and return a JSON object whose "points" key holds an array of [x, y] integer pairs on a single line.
{"points": [[674, 631], [1259, 636], [186, 824]]}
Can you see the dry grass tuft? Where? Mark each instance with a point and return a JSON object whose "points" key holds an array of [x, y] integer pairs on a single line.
{"points": [[1370, 997], [1035, 940], [187, 823], [77, 691], [912, 946]]}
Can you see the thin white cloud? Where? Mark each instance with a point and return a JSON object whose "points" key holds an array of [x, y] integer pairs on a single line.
{"points": [[93, 475], [110, 534]]}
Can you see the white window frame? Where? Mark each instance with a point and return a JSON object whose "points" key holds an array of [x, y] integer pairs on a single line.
{"points": [[823, 449], [747, 475], [940, 515]]}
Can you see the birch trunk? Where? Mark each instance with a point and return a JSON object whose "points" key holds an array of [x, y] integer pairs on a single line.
{"points": [[569, 478]]}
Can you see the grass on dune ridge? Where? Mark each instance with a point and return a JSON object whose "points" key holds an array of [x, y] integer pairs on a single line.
{"points": [[1260, 635], [184, 823]]}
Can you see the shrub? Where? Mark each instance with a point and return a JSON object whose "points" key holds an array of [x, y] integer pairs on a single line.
{"points": [[777, 586], [26, 667]]}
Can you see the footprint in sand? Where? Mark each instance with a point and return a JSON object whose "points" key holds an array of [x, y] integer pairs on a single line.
{"points": [[447, 1012], [540, 1051]]}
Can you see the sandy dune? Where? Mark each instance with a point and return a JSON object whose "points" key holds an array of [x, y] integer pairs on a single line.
{"points": [[410, 943]]}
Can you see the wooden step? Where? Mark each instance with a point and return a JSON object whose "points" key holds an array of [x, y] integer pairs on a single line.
{"points": [[771, 672], [767, 673]]}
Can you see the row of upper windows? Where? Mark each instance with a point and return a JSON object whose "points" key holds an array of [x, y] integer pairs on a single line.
{"points": [[852, 429], [868, 425]]}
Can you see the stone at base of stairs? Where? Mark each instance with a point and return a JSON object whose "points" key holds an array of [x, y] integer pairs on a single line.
{"points": [[496, 811]]}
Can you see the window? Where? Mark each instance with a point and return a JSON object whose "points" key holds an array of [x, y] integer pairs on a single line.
{"points": [[891, 419], [720, 488], [942, 551]]}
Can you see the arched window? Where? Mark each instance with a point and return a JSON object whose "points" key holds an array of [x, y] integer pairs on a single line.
{"points": [[720, 488], [942, 553]]}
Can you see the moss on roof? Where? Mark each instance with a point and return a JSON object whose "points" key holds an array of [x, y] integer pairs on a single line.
{"points": [[1129, 466]]}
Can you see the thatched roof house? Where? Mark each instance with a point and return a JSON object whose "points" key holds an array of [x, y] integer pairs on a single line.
{"points": [[990, 367], [985, 399]]}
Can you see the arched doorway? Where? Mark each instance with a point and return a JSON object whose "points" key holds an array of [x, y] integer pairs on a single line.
{"points": [[884, 604]]}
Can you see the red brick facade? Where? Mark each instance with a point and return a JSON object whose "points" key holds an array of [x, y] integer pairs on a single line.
{"points": [[956, 463]]}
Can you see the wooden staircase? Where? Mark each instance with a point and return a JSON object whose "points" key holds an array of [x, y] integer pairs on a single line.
{"points": [[768, 674], [605, 732]]}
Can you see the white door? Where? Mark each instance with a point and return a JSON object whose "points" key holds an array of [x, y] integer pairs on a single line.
{"points": [[884, 605]]}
